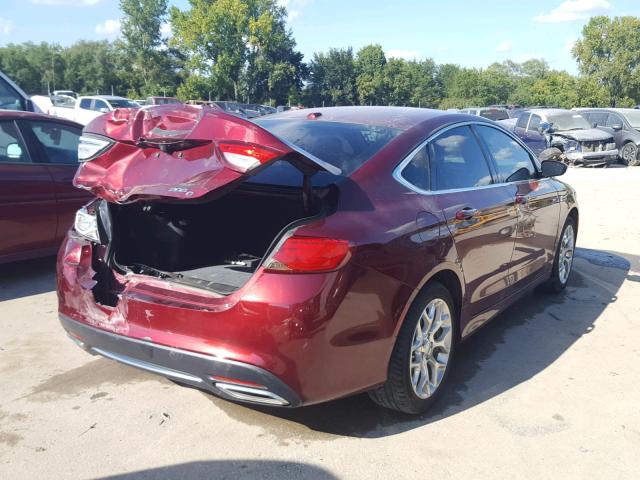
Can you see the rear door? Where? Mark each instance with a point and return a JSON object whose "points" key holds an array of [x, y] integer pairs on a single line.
{"points": [[56, 144], [28, 214], [479, 213], [536, 202], [535, 140]]}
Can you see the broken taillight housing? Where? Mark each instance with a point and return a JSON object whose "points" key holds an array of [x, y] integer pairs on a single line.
{"points": [[244, 157], [298, 254]]}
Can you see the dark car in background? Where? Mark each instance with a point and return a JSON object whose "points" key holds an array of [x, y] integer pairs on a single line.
{"points": [[12, 97], [306, 256], [623, 124], [38, 159], [492, 113], [569, 132]]}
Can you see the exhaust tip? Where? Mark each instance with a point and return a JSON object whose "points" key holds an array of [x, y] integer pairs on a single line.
{"points": [[249, 394]]}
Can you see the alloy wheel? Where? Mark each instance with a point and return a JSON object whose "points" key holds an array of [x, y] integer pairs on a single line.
{"points": [[565, 257], [630, 153], [430, 348]]}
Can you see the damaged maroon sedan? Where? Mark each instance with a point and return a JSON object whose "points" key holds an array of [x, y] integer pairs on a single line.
{"points": [[307, 255]]}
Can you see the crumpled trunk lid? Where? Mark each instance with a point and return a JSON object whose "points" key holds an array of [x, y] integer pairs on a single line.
{"points": [[181, 152]]}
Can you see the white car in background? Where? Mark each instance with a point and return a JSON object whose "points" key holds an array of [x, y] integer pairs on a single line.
{"points": [[86, 108]]}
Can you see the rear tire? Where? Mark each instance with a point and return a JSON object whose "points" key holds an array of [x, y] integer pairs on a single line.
{"points": [[563, 261], [423, 354]]}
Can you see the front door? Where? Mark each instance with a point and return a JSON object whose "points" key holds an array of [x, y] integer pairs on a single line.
{"points": [[28, 214], [480, 215], [536, 202]]}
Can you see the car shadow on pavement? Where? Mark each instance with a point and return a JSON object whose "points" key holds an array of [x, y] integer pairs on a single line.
{"points": [[218, 469], [26, 278], [518, 344]]}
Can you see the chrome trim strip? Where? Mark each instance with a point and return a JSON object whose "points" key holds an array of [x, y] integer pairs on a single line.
{"points": [[397, 171], [251, 394], [149, 367]]}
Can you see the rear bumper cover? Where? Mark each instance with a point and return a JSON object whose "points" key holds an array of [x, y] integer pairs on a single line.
{"points": [[205, 372]]}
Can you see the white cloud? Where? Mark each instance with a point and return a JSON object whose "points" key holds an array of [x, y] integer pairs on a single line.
{"points": [[294, 8], [6, 26], [571, 10], [108, 27], [83, 3], [568, 44], [404, 54], [504, 46]]}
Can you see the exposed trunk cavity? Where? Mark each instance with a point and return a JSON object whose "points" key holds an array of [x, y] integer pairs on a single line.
{"points": [[216, 244]]}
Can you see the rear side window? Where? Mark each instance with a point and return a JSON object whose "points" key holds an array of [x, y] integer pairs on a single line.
{"points": [[344, 145], [59, 142], [98, 104], [512, 161], [416, 172], [12, 150], [523, 120], [457, 161], [85, 103]]}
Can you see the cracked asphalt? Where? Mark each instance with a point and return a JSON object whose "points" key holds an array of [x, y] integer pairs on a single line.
{"points": [[550, 389]]}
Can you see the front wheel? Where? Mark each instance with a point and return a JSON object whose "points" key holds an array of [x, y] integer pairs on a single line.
{"points": [[423, 354], [629, 154], [563, 261]]}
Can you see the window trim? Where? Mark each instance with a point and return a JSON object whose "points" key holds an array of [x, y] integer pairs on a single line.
{"points": [[26, 131], [397, 171]]}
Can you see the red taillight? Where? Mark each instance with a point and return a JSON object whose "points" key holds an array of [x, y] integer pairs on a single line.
{"points": [[243, 157], [308, 254], [73, 255]]}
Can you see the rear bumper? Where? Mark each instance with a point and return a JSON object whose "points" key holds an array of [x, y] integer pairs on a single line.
{"points": [[205, 372], [594, 158]]}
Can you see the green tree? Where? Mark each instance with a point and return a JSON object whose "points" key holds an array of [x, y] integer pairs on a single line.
{"points": [[369, 68], [151, 71], [609, 52], [332, 78]]}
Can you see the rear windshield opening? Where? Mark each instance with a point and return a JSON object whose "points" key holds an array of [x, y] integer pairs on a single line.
{"points": [[344, 145]]}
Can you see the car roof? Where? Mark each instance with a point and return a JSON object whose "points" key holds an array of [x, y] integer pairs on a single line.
{"points": [[402, 118], [17, 114], [105, 97], [548, 111]]}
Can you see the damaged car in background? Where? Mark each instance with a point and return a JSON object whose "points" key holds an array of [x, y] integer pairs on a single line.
{"points": [[307, 255], [569, 132]]}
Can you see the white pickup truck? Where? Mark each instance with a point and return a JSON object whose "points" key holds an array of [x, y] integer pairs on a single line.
{"points": [[85, 109]]}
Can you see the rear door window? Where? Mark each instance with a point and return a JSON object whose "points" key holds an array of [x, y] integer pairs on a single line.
{"points": [[58, 141], [85, 103], [99, 104], [512, 161], [457, 161], [12, 148]]}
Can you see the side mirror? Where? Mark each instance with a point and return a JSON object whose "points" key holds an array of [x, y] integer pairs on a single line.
{"points": [[14, 151], [617, 127], [104, 110], [553, 168]]}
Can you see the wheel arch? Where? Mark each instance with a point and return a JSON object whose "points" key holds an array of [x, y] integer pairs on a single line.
{"points": [[450, 275]]}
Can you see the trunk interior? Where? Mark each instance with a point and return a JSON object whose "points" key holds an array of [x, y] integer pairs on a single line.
{"points": [[216, 244]]}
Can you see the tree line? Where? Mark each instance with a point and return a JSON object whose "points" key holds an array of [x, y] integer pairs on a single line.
{"points": [[243, 50]]}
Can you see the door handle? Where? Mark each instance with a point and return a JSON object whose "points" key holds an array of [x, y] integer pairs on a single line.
{"points": [[466, 213]]}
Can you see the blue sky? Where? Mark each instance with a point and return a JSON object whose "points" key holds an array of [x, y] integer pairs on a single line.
{"points": [[466, 32]]}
